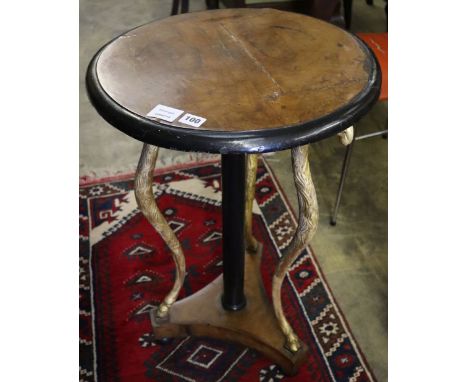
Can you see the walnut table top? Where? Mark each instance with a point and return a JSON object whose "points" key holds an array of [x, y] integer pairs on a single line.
{"points": [[260, 79]]}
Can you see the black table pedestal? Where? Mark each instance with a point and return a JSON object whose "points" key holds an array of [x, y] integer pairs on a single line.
{"points": [[233, 178]]}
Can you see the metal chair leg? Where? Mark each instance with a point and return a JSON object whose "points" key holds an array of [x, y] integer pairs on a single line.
{"points": [[212, 4], [175, 7], [344, 172], [184, 7]]}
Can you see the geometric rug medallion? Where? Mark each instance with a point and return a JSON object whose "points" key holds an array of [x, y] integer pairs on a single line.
{"points": [[126, 270]]}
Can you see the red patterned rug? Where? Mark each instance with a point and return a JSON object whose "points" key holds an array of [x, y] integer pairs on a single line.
{"points": [[125, 270]]}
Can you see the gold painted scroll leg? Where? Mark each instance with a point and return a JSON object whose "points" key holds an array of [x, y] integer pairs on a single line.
{"points": [[308, 220], [251, 177], [147, 204]]}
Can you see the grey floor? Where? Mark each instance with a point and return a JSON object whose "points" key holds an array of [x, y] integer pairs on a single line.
{"points": [[353, 254]]}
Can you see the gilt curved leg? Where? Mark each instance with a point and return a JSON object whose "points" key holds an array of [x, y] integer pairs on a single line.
{"points": [[147, 204], [251, 177], [308, 220]]}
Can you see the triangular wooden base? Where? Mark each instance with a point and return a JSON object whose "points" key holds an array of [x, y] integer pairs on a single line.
{"points": [[255, 326]]}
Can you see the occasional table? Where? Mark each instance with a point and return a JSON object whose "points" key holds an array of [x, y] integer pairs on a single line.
{"points": [[238, 82]]}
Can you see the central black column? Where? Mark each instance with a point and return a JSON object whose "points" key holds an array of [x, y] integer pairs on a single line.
{"points": [[233, 178]]}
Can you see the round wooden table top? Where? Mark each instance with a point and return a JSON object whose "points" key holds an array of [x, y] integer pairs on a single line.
{"points": [[233, 81]]}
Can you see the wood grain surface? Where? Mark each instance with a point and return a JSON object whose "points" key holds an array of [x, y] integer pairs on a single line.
{"points": [[241, 69]]}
